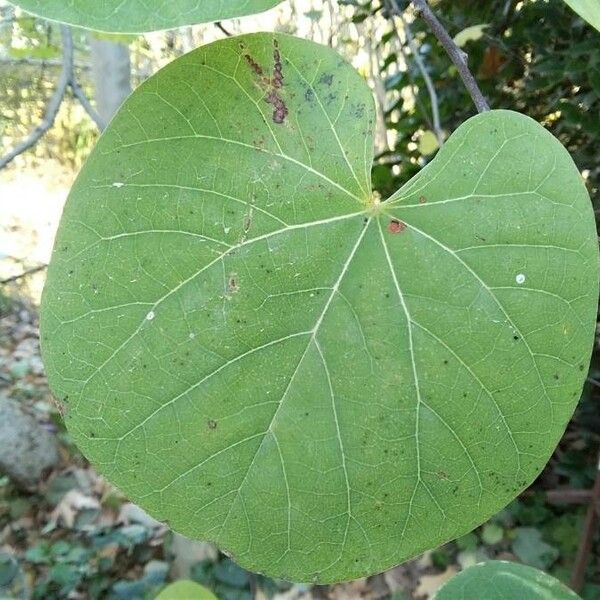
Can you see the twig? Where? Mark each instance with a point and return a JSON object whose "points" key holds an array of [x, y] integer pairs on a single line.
{"points": [[24, 274], [457, 56], [87, 105], [220, 26], [435, 111], [54, 104], [594, 382], [40, 62], [411, 77], [586, 543]]}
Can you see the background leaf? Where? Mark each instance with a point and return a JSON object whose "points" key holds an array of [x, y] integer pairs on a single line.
{"points": [[133, 16], [186, 590], [530, 548], [502, 580], [470, 34], [255, 349], [587, 9]]}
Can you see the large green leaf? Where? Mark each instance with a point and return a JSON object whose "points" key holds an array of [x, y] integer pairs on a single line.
{"points": [[502, 580], [258, 351], [134, 16], [587, 9]]}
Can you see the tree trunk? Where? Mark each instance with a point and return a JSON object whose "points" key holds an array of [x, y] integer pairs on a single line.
{"points": [[111, 69]]}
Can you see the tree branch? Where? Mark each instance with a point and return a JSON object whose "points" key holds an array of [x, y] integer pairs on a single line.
{"points": [[53, 106], [40, 62], [22, 275], [87, 105], [457, 56], [410, 39], [435, 108], [419, 104], [222, 28]]}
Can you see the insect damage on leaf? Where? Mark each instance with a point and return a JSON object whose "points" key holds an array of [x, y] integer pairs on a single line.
{"points": [[396, 226], [271, 85]]}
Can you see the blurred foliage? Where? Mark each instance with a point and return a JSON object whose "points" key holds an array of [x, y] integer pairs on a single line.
{"points": [[230, 582], [534, 56], [29, 67]]}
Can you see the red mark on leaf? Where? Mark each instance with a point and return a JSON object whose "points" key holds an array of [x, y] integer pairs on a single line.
{"points": [[396, 226]]}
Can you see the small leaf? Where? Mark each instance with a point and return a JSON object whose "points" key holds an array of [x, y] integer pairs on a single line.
{"points": [[470, 34], [501, 580], [492, 534], [133, 16], [428, 143], [530, 548], [185, 590], [254, 348], [9, 569], [588, 10]]}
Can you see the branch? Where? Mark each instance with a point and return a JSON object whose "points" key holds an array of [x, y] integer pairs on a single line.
{"points": [[24, 274], [42, 63], [457, 56], [435, 111], [53, 106], [87, 105], [221, 27], [409, 72]]}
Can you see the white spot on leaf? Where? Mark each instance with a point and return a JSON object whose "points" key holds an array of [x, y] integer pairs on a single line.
{"points": [[520, 278], [150, 316]]}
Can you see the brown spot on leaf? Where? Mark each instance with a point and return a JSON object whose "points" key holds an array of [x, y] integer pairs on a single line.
{"points": [[212, 424], [247, 222], [271, 85], [277, 66], [232, 284], [280, 110], [422, 200], [396, 226], [254, 65]]}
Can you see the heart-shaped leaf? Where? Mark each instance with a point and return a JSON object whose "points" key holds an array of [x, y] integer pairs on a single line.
{"points": [[588, 10], [134, 16], [256, 349], [502, 580]]}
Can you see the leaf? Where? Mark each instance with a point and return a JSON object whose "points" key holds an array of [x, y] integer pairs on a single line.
{"points": [[428, 143], [255, 349], [9, 570], [588, 10], [133, 16], [185, 590], [470, 34], [492, 534], [530, 548], [502, 580]]}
